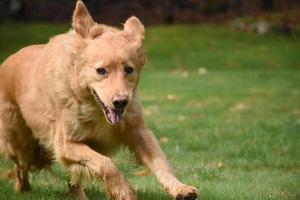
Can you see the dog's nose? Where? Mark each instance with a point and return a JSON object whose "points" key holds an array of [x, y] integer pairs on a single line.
{"points": [[120, 101]]}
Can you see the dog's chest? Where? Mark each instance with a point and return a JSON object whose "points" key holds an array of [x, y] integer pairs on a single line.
{"points": [[94, 129]]}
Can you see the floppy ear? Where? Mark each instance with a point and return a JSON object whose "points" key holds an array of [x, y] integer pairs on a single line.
{"points": [[135, 28], [82, 20]]}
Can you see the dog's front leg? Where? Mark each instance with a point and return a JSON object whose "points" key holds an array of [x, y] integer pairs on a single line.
{"points": [[147, 149], [78, 158]]}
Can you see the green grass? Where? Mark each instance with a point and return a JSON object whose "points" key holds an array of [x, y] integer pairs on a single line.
{"points": [[233, 132]]}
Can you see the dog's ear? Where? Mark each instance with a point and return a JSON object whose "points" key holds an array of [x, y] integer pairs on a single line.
{"points": [[135, 28], [82, 20]]}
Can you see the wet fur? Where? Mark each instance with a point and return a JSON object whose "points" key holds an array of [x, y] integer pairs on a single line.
{"points": [[47, 112]]}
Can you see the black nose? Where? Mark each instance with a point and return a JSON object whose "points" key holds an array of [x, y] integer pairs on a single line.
{"points": [[120, 101]]}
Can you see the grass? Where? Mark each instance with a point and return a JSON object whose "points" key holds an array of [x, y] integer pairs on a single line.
{"points": [[224, 104]]}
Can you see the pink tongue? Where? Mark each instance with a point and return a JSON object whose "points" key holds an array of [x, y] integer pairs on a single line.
{"points": [[114, 116]]}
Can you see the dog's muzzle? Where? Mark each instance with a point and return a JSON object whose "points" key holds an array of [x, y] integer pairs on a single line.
{"points": [[112, 115]]}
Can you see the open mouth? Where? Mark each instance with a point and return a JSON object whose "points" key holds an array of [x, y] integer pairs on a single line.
{"points": [[113, 116]]}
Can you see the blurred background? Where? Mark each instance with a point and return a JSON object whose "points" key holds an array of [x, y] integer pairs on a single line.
{"points": [[220, 90], [286, 19]]}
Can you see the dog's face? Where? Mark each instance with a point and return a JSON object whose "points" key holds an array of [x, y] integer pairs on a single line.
{"points": [[110, 61]]}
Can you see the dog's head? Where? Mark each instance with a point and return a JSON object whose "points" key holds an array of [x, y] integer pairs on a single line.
{"points": [[108, 61]]}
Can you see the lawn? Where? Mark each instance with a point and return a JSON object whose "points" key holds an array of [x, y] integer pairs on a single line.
{"points": [[225, 106]]}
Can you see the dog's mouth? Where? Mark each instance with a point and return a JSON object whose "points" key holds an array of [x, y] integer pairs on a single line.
{"points": [[112, 116]]}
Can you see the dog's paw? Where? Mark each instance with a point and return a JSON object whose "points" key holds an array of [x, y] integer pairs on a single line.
{"points": [[186, 192], [77, 192], [124, 192], [22, 186]]}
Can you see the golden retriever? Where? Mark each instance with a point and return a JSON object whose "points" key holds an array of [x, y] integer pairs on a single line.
{"points": [[74, 100]]}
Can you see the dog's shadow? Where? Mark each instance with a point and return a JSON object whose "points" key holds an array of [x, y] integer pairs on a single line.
{"points": [[41, 192], [143, 195], [46, 187]]}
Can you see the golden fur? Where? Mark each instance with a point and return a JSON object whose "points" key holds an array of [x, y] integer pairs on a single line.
{"points": [[49, 108]]}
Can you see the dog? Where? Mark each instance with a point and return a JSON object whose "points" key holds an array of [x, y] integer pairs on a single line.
{"points": [[74, 101]]}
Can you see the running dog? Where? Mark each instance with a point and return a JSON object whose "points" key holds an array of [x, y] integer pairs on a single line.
{"points": [[74, 101]]}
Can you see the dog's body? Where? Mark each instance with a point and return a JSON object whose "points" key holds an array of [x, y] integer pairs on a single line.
{"points": [[51, 97]]}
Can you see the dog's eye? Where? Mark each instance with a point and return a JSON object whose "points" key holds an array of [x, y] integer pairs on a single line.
{"points": [[101, 71], [128, 69]]}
